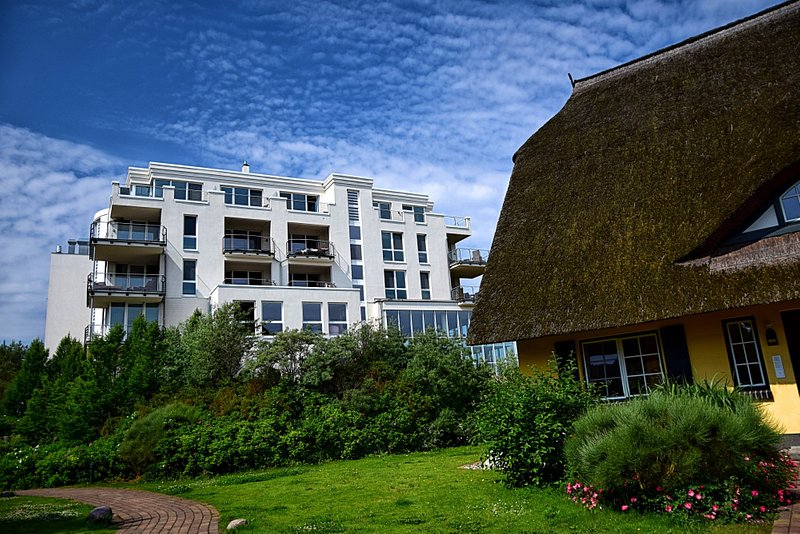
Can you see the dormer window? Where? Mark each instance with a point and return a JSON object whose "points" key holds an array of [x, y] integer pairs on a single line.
{"points": [[790, 202], [301, 202]]}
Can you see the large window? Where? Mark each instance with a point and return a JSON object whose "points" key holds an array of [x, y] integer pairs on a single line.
{"points": [[392, 246], [271, 318], [124, 314], [183, 190], [312, 316], [190, 232], [244, 278], [242, 196], [790, 201], [246, 313], [743, 348], [189, 277], [395, 285], [337, 318], [446, 323], [243, 240], [623, 367], [301, 202], [422, 248]]}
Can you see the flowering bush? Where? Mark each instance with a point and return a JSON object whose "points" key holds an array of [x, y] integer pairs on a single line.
{"points": [[700, 452], [755, 496]]}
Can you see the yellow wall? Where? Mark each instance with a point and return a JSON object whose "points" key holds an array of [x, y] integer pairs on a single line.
{"points": [[707, 353]]}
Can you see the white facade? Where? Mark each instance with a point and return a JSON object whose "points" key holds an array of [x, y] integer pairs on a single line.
{"points": [[299, 253]]}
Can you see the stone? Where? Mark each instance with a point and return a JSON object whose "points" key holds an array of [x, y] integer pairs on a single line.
{"points": [[101, 514], [8, 494], [236, 523]]}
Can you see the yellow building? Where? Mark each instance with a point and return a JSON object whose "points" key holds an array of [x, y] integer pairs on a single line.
{"points": [[651, 228]]}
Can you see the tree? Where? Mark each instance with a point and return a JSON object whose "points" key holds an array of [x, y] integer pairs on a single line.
{"points": [[27, 380], [11, 357], [286, 353]]}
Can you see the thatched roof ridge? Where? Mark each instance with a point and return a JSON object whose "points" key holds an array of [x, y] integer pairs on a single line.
{"points": [[644, 168]]}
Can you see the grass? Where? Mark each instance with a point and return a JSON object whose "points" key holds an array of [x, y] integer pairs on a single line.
{"points": [[422, 492], [42, 515]]}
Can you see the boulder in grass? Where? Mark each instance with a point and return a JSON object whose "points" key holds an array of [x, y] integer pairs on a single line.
{"points": [[5, 494], [100, 515], [236, 523]]}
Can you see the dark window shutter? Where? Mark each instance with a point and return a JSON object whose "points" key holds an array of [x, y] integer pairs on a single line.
{"points": [[565, 351], [676, 354]]}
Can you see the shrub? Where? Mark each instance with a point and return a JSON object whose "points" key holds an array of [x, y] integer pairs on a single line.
{"points": [[138, 448], [524, 421], [700, 449]]}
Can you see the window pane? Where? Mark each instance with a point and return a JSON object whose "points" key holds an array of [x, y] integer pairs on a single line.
{"points": [[355, 252], [189, 270], [255, 197], [358, 272], [634, 366], [405, 322], [117, 314], [312, 311], [337, 312], [151, 313], [355, 232]]}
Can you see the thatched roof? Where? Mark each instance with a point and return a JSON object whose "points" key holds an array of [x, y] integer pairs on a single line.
{"points": [[618, 206]]}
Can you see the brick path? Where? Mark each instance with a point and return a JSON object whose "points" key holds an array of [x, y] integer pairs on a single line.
{"points": [[142, 511], [788, 521]]}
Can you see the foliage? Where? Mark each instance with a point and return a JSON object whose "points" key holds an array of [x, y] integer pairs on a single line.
{"points": [[27, 380], [11, 356], [525, 419], [138, 448], [699, 449]]}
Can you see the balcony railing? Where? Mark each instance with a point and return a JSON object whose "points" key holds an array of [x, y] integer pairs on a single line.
{"points": [[148, 191], [127, 283], [309, 248], [130, 232], [311, 283], [468, 256], [242, 281], [456, 222], [248, 245], [464, 294]]}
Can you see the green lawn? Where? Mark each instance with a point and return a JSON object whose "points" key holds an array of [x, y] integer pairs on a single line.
{"points": [[423, 492], [42, 515]]}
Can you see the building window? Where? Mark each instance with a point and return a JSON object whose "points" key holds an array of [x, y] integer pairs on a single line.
{"points": [[355, 232], [422, 248], [301, 202], [244, 278], [183, 190], [358, 272], [355, 252], [418, 211], [425, 284], [242, 196], [190, 232], [384, 210], [743, 348], [124, 314], [392, 246], [337, 318], [246, 313], [305, 280], [395, 285], [352, 204], [271, 318], [623, 367], [312, 316], [790, 201], [243, 241], [189, 277]]}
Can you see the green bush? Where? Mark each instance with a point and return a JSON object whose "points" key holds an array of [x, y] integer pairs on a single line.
{"points": [[697, 442], [524, 421], [138, 448]]}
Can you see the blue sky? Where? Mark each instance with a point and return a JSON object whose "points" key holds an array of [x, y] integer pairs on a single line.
{"points": [[421, 96]]}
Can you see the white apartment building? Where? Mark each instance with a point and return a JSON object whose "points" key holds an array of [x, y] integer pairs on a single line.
{"points": [[294, 253]]}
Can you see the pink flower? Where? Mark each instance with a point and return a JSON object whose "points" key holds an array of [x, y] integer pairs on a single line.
{"points": [[749, 516], [659, 488], [714, 507], [762, 509], [746, 458], [691, 493], [698, 496], [754, 493], [668, 508], [624, 507], [633, 499], [687, 505]]}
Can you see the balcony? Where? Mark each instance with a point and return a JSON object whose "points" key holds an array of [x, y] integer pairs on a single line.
{"points": [[310, 249], [464, 295], [310, 283], [467, 262], [248, 247], [123, 241], [103, 288]]}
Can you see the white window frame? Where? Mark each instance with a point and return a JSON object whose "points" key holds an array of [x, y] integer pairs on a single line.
{"points": [[189, 240], [422, 248], [394, 290], [622, 358], [312, 325], [309, 203], [425, 279], [268, 324], [749, 348], [255, 197], [189, 282], [336, 328], [394, 252]]}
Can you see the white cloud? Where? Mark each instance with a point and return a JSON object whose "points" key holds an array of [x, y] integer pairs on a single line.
{"points": [[51, 190]]}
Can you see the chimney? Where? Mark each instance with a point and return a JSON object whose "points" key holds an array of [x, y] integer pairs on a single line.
{"points": [[245, 167]]}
